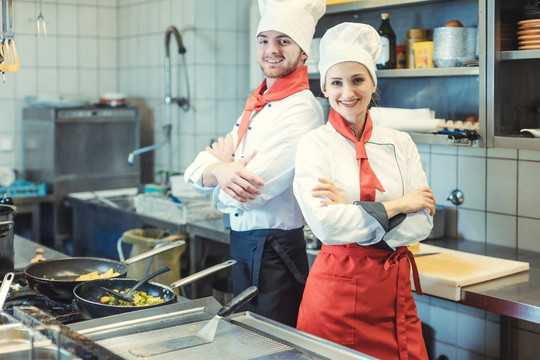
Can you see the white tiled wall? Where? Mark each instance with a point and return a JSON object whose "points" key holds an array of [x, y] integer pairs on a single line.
{"points": [[97, 46]]}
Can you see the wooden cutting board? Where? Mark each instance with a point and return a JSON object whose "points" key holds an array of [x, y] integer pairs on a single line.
{"points": [[445, 273]]}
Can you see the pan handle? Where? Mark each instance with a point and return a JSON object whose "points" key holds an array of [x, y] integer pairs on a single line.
{"points": [[191, 278], [238, 301], [153, 252]]}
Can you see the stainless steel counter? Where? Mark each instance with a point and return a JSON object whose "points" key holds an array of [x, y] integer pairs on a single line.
{"points": [[516, 296], [25, 250]]}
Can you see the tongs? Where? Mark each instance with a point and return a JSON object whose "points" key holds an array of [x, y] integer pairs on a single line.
{"points": [[41, 21], [8, 51]]}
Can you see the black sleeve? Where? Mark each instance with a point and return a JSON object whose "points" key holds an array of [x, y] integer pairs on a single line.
{"points": [[377, 210]]}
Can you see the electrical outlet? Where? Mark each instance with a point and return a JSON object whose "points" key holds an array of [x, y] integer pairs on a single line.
{"points": [[6, 144]]}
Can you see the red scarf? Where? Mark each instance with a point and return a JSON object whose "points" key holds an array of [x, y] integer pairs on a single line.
{"points": [[368, 180], [283, 87]]}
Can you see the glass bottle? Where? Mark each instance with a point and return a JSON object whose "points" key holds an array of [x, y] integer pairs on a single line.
{"points": [[387, 60]]}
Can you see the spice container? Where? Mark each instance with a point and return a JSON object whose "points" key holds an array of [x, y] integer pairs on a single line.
{"points": [[413, 35], [401, 58], [423, 54]]}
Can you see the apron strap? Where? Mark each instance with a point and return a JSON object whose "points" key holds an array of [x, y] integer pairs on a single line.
{"points": [[397, 258], [287, 260]]}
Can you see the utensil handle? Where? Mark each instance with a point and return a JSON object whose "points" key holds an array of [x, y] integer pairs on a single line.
{"points": [[191, 278], [6, 283], [153, 252], [238, 301], [148, 277]]}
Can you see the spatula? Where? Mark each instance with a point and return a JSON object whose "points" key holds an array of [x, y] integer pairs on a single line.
{"points": [[4, 290], [128, 296], [204, 336]]}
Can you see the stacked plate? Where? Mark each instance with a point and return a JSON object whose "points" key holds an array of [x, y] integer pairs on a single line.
{"points": [[529, 34]]}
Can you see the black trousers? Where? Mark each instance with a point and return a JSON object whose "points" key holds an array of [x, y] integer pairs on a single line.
{"points": [[276, 262]]}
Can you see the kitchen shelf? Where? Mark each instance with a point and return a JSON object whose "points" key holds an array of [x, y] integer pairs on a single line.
{"points": [[513, 142], [435, 72], [373, 4], [441, 139], [520, 55], [416, 73]]}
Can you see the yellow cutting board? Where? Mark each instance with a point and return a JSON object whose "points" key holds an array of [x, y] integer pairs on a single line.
{"points": [[444, 274]]}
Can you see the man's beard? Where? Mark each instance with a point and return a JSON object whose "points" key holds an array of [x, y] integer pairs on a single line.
{"points": [[281, 71]]}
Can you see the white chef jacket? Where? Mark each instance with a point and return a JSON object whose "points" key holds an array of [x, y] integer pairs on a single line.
{"points": [[394, 158], [274, 132]]}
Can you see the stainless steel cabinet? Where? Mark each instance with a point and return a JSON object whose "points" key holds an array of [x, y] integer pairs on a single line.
{"points": [[513, 87]]}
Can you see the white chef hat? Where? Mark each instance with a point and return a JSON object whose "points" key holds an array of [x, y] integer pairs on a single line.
{"points": [[349, 42], [294, 18]]}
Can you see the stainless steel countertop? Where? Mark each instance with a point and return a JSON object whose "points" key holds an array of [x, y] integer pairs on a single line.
{"points": [[25, 250], [516, 296]]}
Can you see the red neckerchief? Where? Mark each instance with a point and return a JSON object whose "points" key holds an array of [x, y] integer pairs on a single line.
{"points": [[368, 180], [283, 87]]}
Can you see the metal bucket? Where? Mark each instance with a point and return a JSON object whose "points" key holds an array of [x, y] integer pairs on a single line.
{"points": [[7, 213]]}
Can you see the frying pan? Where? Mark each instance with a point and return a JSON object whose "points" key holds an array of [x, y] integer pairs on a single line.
{"points": [[88, 294], [55, 278]]}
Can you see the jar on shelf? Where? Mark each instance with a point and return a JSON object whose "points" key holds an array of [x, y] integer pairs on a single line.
{"points": [[413, 35]]}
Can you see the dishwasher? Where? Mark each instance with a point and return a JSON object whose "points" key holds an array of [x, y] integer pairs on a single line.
{"points": [[78, 149]]}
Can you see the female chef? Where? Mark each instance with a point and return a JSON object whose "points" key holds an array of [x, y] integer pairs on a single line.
{"points": [[364, 194]]}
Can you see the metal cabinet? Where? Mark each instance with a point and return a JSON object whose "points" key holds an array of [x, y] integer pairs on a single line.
{"points": [[513, 89], [453, 93]]}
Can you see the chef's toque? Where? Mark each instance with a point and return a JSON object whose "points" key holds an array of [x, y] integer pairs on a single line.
{"points": [[294, 18], [349, 42]]}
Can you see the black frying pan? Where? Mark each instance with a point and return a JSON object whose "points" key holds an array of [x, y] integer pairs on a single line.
{"points": [[56, 278], [88, 294]]}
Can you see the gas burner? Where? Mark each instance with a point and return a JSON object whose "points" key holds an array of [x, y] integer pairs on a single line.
{"points": [[65, 313]]}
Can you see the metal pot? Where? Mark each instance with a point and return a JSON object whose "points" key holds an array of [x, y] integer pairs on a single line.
{"points": [[7, 212]]}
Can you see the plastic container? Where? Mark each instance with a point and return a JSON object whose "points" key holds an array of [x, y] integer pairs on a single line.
{"points": [[144, 240], [401, 58], [21, 188]]}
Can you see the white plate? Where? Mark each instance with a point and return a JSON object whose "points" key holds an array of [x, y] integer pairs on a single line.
{"points": [[533, 132]]}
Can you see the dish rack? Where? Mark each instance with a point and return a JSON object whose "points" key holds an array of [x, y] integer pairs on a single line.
{"points": [[22, 188], [179, 213]]}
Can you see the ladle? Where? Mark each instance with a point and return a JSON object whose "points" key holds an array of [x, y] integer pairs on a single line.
{"points": [[128, 296], [4, 289]]}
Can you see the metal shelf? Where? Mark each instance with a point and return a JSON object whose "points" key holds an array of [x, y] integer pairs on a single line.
{"points": [[373, 4], [514, 142], [519, 55], [435, 72], [414, 73], [441, 139]]}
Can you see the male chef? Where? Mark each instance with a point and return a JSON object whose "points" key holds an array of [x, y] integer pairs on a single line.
{"points": [[251, 170]]}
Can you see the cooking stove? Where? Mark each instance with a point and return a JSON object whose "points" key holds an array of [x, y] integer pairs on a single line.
{"points": [[63, 312], [239, 336]]}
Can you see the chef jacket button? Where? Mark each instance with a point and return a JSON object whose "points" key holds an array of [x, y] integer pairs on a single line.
{"points": [[269, 104], [236, 214], [237, 124], [249, 127]]}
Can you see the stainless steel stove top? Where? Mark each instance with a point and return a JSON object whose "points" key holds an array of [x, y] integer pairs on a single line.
{"points": [[239, 336]]}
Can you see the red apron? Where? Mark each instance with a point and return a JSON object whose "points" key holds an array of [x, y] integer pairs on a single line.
{"points": [[361, 297]]}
